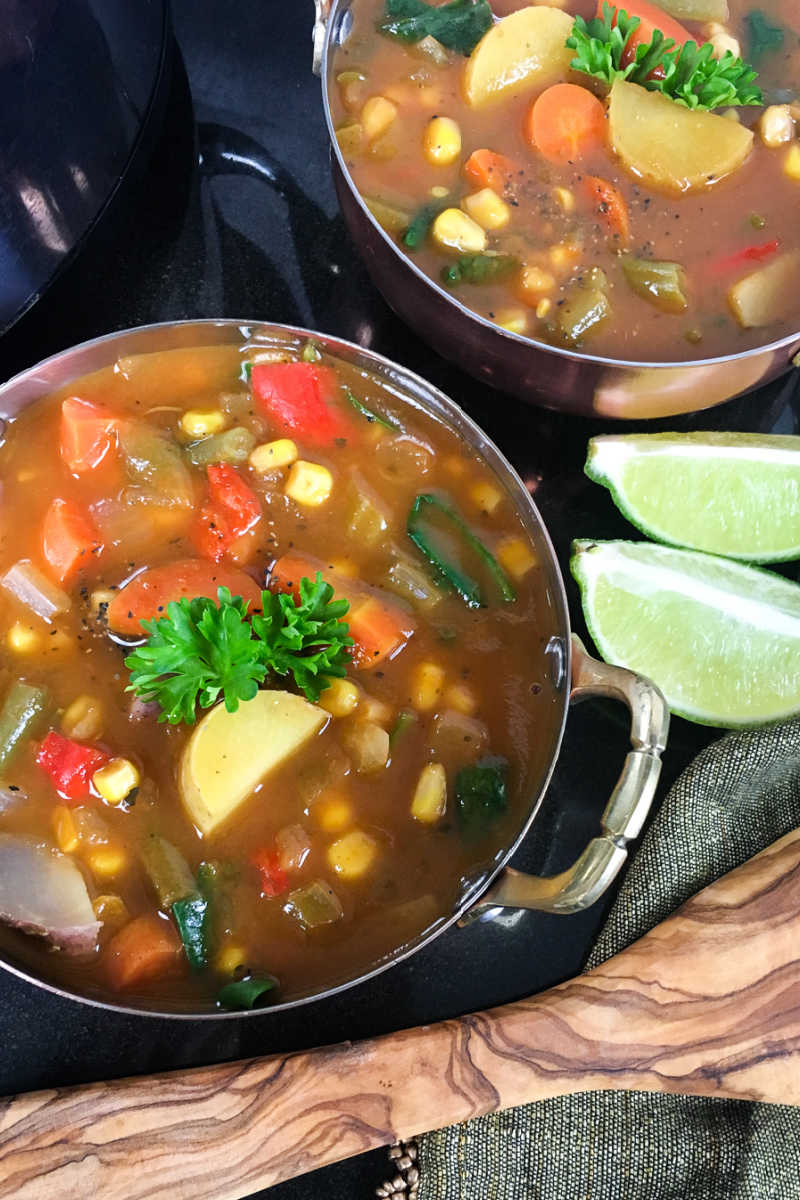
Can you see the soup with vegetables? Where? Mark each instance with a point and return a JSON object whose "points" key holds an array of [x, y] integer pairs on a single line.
{"points": [[618, 179], [273, 676]]}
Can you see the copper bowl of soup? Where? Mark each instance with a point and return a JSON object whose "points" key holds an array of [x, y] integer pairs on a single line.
{"points": [[540, 270], [232, 805]]}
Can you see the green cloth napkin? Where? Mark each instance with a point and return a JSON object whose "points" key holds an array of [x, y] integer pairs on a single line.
{"points": [[738, 796]]}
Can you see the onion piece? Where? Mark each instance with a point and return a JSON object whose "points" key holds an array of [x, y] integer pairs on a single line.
{"points": [[32, 588], [294, 847], [44, 893]]}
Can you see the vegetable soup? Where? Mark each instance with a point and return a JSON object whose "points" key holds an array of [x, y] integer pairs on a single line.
{"points": [[274, 686], [622, 180]]}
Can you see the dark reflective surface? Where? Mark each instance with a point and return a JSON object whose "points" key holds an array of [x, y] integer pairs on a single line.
{"points": [[255, 232]]}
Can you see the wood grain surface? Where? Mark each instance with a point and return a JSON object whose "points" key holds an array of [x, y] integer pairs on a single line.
{"points": [[707, 1003]]}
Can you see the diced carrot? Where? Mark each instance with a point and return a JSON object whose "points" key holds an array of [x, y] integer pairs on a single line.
{"points": [[147, 595], [146, 948], [69, 539], [609, 204], [87, 433], [379, 627], [565, 122], [485, 168], [651, 17]]}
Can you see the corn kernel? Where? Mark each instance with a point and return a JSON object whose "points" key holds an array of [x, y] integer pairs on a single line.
{"points": [[376, 116], [334, 812], [23, 639], [430, 795], [440, 192], [197, 423], [454, 230], [534, 282], [270, 456], [99, 602], [83, 719], [462, 698], [564, 198], [116, 780], [309, 483], [776, 125], [230, 959], [106, 862], [543, 307], [564, 254], [441, 141], [375, 710], [515, 320], [341, 698], [111, 910], [791, 163], [487, 208], [64, 829], [486, 495], [516, 556], [352, 856], [426, 686], [455, 465]]}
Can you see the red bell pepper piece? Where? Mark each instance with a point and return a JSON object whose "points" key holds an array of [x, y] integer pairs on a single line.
{"points": [[232, 509], [87, 433], [70, 765], [300, 398], [274, 880], [69, 539], [751, 254]]}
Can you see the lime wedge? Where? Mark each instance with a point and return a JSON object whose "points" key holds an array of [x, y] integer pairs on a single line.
{"points": [[736, 494], [720, 639]]}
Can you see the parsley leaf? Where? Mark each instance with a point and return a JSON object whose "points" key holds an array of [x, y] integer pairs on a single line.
{"points": [[688, 74], [764, 38], [204, 649], [459, 25], [307, 640]]}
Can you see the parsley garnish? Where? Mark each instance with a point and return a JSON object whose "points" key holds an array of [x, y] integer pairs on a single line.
{"points": [[764, 38], [689, 74], [459, 25], [204, 649]]}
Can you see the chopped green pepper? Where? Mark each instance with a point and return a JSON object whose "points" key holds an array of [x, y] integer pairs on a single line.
{"points": [[404, 721], [152, 458], [581, 312], [243, 993], [232, 446], [663, 284], [418, 529], [23, 712], [359, 406], [479, 268], [191, 917], [481, 795], [246, 372]]}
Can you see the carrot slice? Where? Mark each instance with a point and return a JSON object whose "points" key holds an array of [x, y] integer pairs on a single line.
{"points": [[651, 17], [608, 203], [565, 122], [378, 626], [146, 948], [87, 432], [68, 539], [147, 595], [485, 168]]}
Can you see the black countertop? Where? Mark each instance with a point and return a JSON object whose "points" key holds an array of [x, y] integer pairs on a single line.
{"points": [[236, 217]]}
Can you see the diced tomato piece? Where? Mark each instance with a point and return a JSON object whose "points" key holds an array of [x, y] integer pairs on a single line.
{"points": [[70, 765], [69, 539], [232, 509], [146, 948], [378, 626], [87, 434], [300, 398], [147, 595], [274, 880]]}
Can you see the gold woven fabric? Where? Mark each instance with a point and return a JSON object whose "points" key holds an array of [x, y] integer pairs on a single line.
{"points": [[738, 796]]}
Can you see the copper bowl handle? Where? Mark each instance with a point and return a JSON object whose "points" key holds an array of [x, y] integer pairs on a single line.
{"points": [[592, 873]]}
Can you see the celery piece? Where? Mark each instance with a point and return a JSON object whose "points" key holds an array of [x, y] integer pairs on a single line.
{"points": [[153, 458], [168, 871], [232, 446], [662, 284], [22, 714], [313, 905], [581, 312]]}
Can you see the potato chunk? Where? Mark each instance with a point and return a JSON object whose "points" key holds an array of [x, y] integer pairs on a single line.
{"points": [[672, 147], [766, 295], [523, 52], [229, 754]]}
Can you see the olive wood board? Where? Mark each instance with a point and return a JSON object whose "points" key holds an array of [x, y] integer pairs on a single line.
{"points": [[706, 1004]]}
